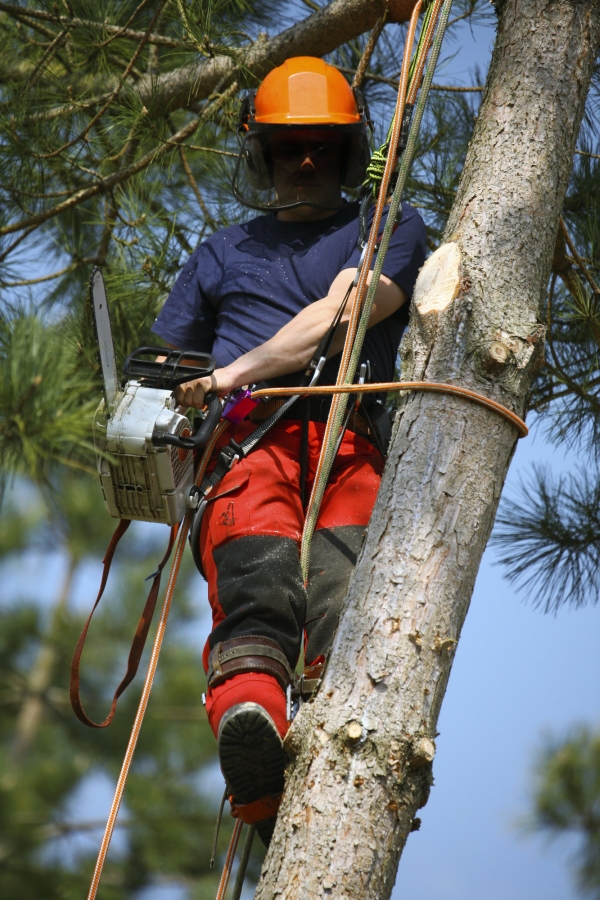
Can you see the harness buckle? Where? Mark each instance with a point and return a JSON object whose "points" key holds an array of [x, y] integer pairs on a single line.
{"points": [[230, 455]]}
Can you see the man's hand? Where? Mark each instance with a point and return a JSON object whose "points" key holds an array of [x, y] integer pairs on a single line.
{"points": [[192, 393]]}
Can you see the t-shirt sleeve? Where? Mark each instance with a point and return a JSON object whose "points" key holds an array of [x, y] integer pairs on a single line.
{"points": [[406, 251], [187, 319]]}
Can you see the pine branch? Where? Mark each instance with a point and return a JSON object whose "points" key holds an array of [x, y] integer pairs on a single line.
{"points": [[114, 94], [566, 800], [105, 184], [195, 188], [26, 281], [367, 53], [585, 153], [211, 150], [317, 35], [550, 538], [47, 57], [19, 12], [586, 272], [119, 33], [380, 79]]}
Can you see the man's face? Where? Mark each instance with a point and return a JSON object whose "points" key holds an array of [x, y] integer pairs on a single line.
{"points": [[306, 166]]}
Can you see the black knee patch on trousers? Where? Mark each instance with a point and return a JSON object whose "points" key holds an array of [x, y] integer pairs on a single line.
{"points": [[259, 583], [333, 554]]}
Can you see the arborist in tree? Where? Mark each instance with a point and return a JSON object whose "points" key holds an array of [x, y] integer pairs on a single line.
{"points": [[261, 297]]}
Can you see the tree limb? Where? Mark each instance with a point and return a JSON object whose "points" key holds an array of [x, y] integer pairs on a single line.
{"points": [[586, 272], [381, 79], [316, 35]]}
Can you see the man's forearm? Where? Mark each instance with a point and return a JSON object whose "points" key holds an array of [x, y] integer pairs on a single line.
{"points": [[294, 345], [290, 350]]}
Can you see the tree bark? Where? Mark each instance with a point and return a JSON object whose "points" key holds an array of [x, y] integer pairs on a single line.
{"points": [[318, 34], [363, 749]]}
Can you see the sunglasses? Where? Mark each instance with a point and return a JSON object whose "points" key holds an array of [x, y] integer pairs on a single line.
{"points": [[297, 146]]}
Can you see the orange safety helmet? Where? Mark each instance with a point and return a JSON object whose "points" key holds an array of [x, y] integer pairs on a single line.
{"points": [[303, 93]]}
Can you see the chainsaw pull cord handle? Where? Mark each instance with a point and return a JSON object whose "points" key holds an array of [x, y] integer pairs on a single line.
{"points": [[141, 632], [202, 435]]}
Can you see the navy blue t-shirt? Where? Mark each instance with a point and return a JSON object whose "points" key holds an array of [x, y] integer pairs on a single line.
{"points": [[244, 283]]}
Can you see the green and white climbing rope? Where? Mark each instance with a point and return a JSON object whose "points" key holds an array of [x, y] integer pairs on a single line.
{"points": [[440, 10]]}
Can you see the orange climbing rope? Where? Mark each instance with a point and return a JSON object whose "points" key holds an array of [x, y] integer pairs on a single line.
{"points": [[400, 386], [160, 633], [364, 294], [237, 830]]}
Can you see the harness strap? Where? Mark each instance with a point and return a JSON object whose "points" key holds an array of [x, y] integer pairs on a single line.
{"points": [[141, 632], [250, 653], [232, 452]]}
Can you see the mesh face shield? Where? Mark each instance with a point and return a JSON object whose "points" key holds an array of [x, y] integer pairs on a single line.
{"points": [[270, 176]]}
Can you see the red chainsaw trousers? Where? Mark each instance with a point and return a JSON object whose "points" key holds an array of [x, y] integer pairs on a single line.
{"points": [[250, 542]]}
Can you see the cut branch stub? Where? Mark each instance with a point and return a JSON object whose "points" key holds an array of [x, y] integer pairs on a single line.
{"points": [[353, 732], [437, 287], [423, 753], [438, 283]]}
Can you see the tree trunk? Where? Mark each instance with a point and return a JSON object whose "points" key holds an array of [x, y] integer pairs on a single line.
{"points": [[363, 749]]}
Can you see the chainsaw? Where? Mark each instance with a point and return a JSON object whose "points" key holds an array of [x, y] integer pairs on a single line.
{"points": [[144, 444]]}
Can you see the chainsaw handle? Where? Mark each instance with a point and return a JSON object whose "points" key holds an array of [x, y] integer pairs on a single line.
{"points": [[202, 435], [211, 420], [171, 371]]}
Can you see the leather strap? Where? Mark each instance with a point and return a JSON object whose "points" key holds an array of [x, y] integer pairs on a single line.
{"points": [[141, 633], [250, 653]]}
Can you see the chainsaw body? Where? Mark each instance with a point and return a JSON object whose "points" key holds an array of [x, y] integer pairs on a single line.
{"points": [[144, 445], [140, 478]]}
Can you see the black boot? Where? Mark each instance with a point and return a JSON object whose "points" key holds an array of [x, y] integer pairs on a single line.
{"points": [[253, 763]]}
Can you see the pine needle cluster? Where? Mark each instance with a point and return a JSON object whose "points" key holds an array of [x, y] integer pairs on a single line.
{"points": [[566, 801]]}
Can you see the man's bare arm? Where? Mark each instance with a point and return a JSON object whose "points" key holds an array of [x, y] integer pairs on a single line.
{"points": [[294, 345]]}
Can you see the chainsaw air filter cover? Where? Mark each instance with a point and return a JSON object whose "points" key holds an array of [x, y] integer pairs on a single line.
{"points": [[141, 479]]}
